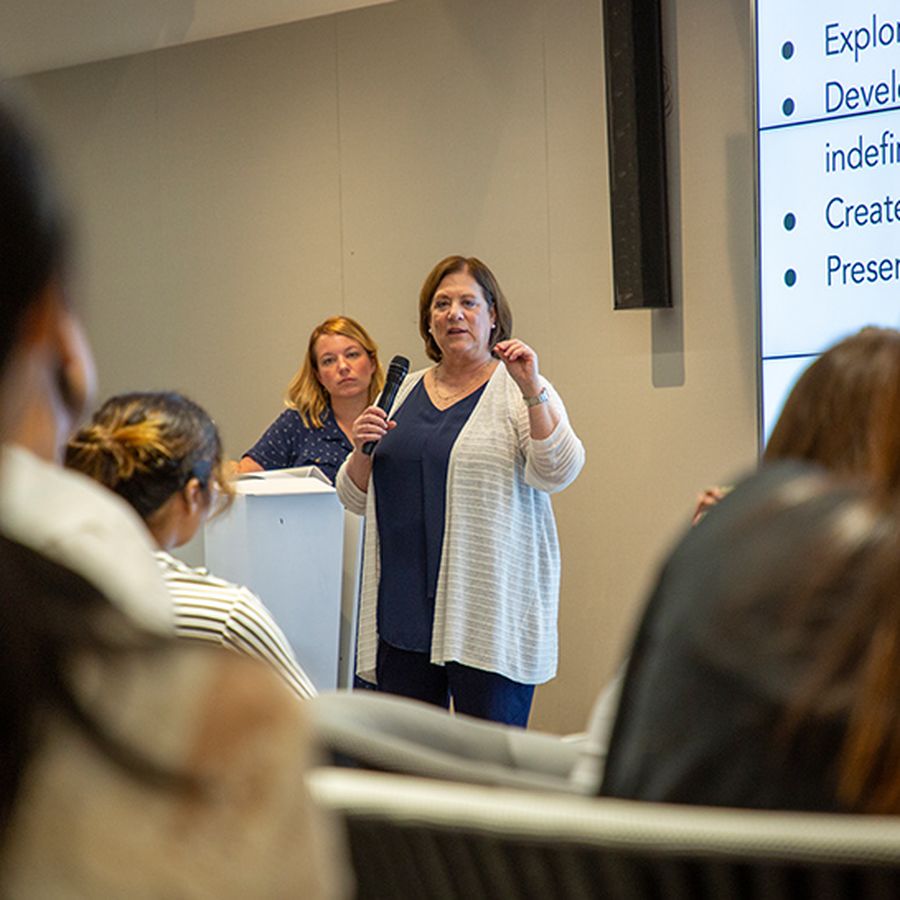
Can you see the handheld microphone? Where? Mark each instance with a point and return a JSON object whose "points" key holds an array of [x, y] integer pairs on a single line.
{"points": [[397, 371]]}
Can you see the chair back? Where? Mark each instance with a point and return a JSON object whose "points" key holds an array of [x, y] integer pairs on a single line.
{"points": [[414, 839]]}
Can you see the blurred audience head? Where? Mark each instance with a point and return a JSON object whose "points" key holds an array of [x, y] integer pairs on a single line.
{"points": [[46, 364], [844, 410], [48, 615], [818, 603], [766, 670]]}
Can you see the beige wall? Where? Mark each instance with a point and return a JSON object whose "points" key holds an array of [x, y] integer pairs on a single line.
{"points": [[237, 191]]}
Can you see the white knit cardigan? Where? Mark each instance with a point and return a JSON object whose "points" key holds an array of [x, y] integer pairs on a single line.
{"points": [[498, 585]]}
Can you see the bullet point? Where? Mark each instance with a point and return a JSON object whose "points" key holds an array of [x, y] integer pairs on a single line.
{"points": [[790, 220], [787, 49], [790, 277], [788, 106]]}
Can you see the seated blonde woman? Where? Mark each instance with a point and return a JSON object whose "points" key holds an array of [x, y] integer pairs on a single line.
{"points": [[339, 377]]}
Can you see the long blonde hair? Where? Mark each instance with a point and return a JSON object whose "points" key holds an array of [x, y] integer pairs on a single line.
{"points": [[305, 392]]}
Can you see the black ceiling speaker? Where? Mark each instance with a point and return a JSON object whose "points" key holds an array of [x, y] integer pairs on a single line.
{"points": [[636, 114]]}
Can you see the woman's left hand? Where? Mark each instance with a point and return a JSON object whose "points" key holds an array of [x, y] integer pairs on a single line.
{"points": [[522, 364]]}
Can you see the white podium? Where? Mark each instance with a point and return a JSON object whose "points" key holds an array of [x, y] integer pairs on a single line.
{"points": [[284, 538]]}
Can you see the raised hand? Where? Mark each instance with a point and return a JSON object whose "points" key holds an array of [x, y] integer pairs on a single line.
{"points": [[522, 364], [706, 501]]}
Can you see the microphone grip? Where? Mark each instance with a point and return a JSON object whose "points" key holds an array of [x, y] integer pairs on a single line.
{"points": [[397, 371], [385, 404]]}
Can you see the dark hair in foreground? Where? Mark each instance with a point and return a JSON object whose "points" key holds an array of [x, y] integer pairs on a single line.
{"points": [[48, 614], [148, 446], [844, 410], [766, 669], [33, 232], [835, 608]]}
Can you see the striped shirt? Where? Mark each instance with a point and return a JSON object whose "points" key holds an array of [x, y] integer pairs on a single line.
{"points": [[219, 612]]}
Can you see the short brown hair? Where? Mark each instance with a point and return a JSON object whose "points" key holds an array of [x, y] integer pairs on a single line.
{"points": [[305, 392], [489, 286], [844, 411]]}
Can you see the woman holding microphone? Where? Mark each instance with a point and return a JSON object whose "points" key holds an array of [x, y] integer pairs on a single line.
{"points": [[461, 573]]}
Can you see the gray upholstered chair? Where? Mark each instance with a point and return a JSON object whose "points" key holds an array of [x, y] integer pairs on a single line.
{"points": [[415, 839], [394, 734]]}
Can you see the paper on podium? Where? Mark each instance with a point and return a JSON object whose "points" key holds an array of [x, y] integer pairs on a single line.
{"points": [[299, 480]]}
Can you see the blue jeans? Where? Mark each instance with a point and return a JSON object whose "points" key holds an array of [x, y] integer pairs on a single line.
{"points": [[475, 692]]}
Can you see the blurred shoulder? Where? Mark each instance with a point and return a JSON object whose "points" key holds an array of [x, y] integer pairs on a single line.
{"points": [[84, 526], [225, 721]]}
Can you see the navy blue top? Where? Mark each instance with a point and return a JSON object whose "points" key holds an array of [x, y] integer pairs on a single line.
{"points": [[410, 477], [287, 442]]}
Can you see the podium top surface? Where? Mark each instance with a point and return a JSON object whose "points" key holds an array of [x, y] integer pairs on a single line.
{"points": [[300, 480]]}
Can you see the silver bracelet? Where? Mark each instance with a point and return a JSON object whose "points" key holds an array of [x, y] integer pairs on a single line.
{"points": [[542, 397]]}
